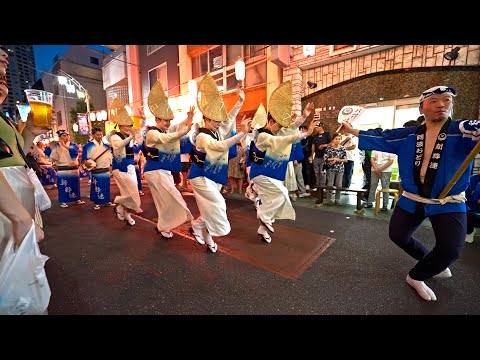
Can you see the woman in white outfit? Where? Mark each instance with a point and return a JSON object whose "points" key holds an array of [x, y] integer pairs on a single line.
{"points": [[269, 155], [209, 156], [258, 122], [123, 166], [162, 151]]}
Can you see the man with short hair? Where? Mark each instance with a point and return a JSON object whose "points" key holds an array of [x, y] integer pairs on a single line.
{"points": [[321, 139], [428, 158], [65, 156], [98, 154]]}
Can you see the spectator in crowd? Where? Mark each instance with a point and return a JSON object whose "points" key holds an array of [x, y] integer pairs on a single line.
{"points": [[349, 143], [382, 163], [411, 123], [236, 170], [321, 139], [335, 158], [307, 165]]}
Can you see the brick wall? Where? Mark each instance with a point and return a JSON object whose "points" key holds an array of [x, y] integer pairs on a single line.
{"points": [[327, 70]]}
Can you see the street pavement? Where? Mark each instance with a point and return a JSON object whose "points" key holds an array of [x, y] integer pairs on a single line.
{"points": [[329, 261]]}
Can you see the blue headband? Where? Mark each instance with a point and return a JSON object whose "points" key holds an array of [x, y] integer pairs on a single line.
{"points": [[437, 90]]}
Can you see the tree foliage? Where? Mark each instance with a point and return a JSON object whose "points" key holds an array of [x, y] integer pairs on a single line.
{"points": [[81, 108]]}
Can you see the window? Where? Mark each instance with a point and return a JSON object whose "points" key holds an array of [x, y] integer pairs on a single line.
{"points": [[215, 58], [152, 48], [94, 60], [199, 65], [233, 52], [340, 49], [219, 61], [252, 51], [159, 73]]}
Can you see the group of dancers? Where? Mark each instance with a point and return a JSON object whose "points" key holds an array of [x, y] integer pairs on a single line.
{"points": [[208, 146], [428, 155]]}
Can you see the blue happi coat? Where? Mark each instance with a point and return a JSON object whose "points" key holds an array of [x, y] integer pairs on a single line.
{"points": [[461, 137]]}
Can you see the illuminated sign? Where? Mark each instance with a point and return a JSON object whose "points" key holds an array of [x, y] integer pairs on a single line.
{"points": [[83, 127]]}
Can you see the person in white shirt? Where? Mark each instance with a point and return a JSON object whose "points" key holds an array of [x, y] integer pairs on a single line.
{"points": [[382, 163], [350, 145]]}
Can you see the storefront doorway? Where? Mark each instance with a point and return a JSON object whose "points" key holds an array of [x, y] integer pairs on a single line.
{"points": [[386, 115]]}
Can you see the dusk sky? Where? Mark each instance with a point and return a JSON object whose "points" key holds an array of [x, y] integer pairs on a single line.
{"points": [[44, 54]]}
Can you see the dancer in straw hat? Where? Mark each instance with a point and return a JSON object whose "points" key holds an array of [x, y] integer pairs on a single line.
{"points": [[210, 161], [269, 155], [258, 122], [123, 165], [162, 151]]}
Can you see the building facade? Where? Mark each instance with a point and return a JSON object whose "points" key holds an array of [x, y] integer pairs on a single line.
{"points": [[175, 65], [386, 79], [83, 69], [21, 75]]}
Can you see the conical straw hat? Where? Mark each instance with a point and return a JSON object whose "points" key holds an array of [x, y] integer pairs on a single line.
{"points": [[210, 101], [260, 117], [113, 109], [158, 102], [280, 104], [122, 117]]}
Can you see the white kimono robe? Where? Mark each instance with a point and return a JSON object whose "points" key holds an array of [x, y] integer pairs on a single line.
{"points": [[126, 180], [274, 200], [171, 208], [210, 202]]}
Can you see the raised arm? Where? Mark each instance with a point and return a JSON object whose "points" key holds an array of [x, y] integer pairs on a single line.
{"points": [[349, 129], [299, 120], [227, 127]]}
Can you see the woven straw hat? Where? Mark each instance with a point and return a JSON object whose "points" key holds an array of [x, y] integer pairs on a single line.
{"points": [[119, 114], [280, 104], [210, 101], [123, 118], [158, 102], [113, 109], [260, 117]]}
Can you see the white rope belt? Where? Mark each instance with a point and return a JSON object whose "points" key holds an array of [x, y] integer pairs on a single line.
{"points": [[451, 198]]}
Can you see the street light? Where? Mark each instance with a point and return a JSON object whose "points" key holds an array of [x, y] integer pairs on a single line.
{"points": [[69, 82]]}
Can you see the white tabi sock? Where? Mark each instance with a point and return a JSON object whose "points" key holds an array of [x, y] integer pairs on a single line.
{"points": [[422, 289]]}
